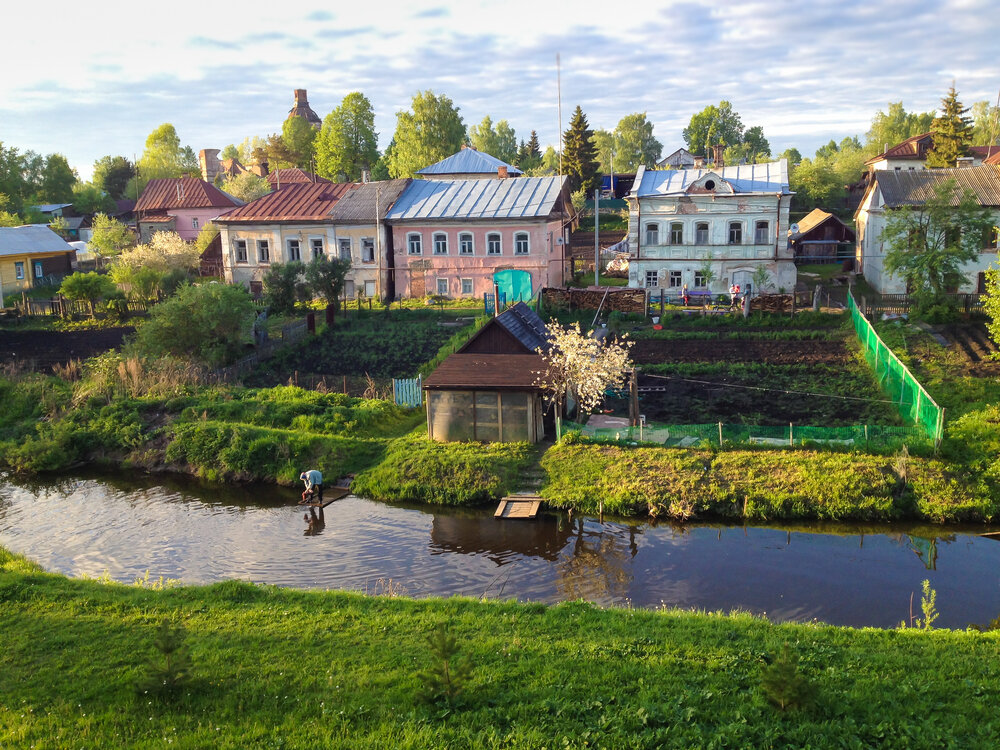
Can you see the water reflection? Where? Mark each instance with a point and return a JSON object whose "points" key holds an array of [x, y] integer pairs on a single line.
{"points": [[181, 529]]}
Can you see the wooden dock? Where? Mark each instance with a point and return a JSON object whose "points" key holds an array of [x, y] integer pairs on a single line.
{"points": [[332, 494], [518, 506]]}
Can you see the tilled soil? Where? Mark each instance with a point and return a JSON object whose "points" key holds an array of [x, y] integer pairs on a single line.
{"points": [[653, 351], [39, 350]]}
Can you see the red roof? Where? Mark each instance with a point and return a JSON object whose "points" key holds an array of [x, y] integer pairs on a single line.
{"points": [[293, 175], [995, 158], [983, 151], [490, 372], [914, 147], [311, 201], [182, 192]]}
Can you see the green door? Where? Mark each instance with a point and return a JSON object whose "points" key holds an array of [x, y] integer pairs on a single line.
{"points": [[514, 285]]}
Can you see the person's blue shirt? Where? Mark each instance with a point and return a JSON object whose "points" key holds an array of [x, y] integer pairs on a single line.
{"points": [[312, 478]]}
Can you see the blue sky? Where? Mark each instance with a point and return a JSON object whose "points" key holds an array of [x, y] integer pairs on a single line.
{"points": [[87, 80]]}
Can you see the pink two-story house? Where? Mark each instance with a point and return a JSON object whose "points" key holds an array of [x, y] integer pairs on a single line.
{"points": [[183, 205], [456, 238]]}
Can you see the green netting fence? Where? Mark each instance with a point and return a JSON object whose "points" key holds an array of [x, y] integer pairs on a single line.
{"points": [[865, 437], [912, 400]]}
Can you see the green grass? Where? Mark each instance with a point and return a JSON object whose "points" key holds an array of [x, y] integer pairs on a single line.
{"points": [[279, 668], [587, 279]]}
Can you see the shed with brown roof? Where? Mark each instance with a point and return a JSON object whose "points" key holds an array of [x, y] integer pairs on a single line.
{"points": [[821, 238]]}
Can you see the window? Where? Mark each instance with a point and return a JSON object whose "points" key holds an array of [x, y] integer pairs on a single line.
{"points": [[349, 289], [241, 251], [700, 281], [676, 233], [521, 243], [466, 286], [735, 233], [316, 244], [263, 251], [675, 280], [38, 269], [652, 279], [761, 232], [414, 244], [493, 246], [194, 223], [294, 252], [367, 249], [370, 288], [344, 246], [442, 287], [652, 234], [440, 243], [19, 270], [465, 244], [701, 233]]}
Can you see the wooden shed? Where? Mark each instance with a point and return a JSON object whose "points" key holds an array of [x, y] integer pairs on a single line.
{"points": [[491, 389]]}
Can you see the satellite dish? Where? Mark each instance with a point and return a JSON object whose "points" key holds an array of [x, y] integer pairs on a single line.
{"points": [[794, 229]]}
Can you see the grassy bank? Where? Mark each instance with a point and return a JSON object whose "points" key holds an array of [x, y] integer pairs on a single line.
{"points": [[279, 668], [761, 485]]}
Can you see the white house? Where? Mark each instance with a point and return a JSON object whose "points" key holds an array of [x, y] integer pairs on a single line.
{"points": [[733, 219], [911, 155], [891, 189]]}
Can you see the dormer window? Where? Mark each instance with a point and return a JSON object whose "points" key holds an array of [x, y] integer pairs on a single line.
{"points": [[709, 184]]}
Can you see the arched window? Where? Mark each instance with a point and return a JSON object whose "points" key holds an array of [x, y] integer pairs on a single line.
{"points": [[440, 243], [521, 243], [652, 234]]}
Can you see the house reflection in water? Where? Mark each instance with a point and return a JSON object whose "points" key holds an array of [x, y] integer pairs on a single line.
{"points": [[500, 541]]}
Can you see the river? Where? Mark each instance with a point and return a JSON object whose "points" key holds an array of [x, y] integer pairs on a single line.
{"points": [[125, 526]]}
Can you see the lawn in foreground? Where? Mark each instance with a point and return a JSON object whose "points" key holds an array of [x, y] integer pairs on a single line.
{"points": [[278, 668]]}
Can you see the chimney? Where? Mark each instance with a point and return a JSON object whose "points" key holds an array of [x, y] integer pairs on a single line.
{"points": [[717, 155], [502, 172], [366, 176], [963, 162]]}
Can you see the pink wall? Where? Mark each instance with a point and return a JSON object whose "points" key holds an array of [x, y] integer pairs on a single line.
{"points": [[543, 260], [185, 215]]}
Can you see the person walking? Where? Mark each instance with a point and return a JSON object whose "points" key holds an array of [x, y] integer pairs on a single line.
{"points": [[313, 480]]}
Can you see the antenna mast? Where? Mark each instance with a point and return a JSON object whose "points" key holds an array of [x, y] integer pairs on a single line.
{"points": [[559, 94]]}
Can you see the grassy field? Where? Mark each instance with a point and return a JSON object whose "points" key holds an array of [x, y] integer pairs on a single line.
{"points": [[278, 668]]}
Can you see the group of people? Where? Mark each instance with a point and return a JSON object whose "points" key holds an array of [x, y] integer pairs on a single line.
{"points": [[734, 295]]}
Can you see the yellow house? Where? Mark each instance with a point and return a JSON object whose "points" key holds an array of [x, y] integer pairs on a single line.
{"points": [[30, 256]]}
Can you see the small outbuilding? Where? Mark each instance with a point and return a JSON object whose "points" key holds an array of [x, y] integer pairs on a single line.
{"points": [[821, 237], [32, 255], [491, 389]]}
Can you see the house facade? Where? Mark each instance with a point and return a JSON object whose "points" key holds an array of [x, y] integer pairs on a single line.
{"points": [[289, 224], [911, 154], [890, 189], [31, 255], [821, 237], [731, 221], [457, 238], [183, 205]]}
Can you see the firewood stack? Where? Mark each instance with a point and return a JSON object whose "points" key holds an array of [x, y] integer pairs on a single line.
{"points": [[622, 300], [771, 303]]}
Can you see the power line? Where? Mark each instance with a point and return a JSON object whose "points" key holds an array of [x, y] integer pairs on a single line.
{"points": [[773, 390]]}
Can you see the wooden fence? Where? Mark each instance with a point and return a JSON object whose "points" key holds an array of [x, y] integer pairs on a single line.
{"points": [[64, 307], [408, 392], [899, 304]]}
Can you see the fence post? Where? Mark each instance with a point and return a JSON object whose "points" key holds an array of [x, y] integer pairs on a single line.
{"points": [[720, 434]]}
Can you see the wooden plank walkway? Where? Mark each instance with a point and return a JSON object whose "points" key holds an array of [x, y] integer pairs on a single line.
{"points": [[518, 506], [338, 491]]}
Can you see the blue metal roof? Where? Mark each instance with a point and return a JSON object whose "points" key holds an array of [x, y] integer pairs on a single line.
{"points": [[469, 161], [771, 177], [523, 198]]}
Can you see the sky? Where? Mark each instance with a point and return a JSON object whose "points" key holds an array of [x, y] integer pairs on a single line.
{"points": [[90, 79]]}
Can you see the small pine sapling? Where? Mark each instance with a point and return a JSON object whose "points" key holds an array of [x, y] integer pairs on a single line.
{"points": [[170, 668], [784, 686], [448, 674], [928, 605]]}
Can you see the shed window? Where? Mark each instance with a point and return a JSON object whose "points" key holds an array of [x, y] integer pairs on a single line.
{"points": [[521, 243], [440, 243], [701, 233], [735, 233], [241, 251], [493, 244], [676, 233], [652, 234], [465, 246], [414, 244], [761, 232]]}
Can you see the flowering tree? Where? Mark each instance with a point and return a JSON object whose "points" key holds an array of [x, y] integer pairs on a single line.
{"points": [[581, 366]]}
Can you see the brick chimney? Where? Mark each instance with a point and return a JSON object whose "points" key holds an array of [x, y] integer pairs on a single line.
{"points": [[502, 172], [718, 157]]}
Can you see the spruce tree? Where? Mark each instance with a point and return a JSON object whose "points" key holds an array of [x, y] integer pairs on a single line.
{"points": [[580, 154], [534, 151], [952, 132]]}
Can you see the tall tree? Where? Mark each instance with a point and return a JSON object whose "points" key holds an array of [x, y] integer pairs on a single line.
{"points": [[427, 134], [163, 155], [580, 154], [247, 186], [712, 126], [299, 137], [230, 152], [952, 132], [111, 174], [635, 145], [347, 143], [57, 182], [110, 237], [90, 199], [496, 140], [756, 147], [895, 125], [928, 244], [604, 144], [985, 124], [13, 184], [529, 156]]}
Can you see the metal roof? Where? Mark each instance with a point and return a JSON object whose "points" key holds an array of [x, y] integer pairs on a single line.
{"points": [[524, 324], [771, 178], [183, 192], [492, 372], [308, 201], [913, 188], [294, 175], [469, 161], [358, 206], [523, 198], [33, 238], [47, 208]]}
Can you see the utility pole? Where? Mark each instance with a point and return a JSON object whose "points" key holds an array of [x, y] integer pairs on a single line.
{"points": [[559, 94], [378, 240], [597, 236]]}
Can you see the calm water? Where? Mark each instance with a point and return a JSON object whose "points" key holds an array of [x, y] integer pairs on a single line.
{"points": [[841, 574]]}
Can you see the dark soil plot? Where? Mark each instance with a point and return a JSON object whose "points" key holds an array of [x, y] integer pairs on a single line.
{"points": [[652, 351], [39, 350]]}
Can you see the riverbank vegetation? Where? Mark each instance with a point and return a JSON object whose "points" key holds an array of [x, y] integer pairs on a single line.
{"points": [[270, 666]]}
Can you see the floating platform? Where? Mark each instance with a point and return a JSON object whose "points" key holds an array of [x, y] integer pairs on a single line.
{"points": [[340, 490], [518, 506]]}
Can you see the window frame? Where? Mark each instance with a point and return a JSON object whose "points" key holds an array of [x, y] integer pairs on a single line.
{"points": [[466, 238], [699, 280], [344, 243], [293, 248], [490, 237], [264, 258], [518, 237], [317, 247], [367, 243], [194, 222], [240, 253], [765, 225], [675, 279], [414, 243], [439, 243], [437, 287], [472, 287], [676, 233], [653, 276], [652, 233], [738, 227], [699, 228]]}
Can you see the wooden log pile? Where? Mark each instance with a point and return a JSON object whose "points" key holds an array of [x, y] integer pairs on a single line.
{"points": [[781, 303], [618, 298]]}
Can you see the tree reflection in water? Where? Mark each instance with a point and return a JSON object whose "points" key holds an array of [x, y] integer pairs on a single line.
{"points": [[597, 564]]}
